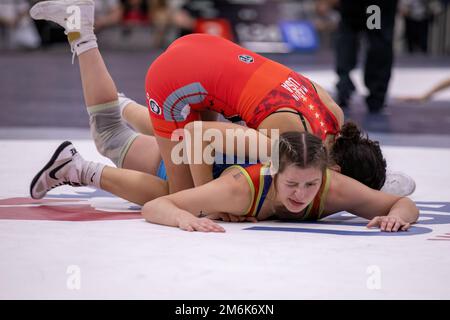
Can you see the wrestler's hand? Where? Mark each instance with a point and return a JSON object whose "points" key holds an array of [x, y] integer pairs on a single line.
{"points": [[227, 217], [389, 224], [192, 223]]}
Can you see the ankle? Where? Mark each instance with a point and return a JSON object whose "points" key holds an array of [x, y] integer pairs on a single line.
{"points": [[81, 44], [91, 173]]}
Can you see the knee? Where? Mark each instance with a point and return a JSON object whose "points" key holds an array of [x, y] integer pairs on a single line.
{"points": [[111, 135]]}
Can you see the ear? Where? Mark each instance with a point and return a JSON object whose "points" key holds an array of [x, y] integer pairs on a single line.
{"points": [[335, 167]]}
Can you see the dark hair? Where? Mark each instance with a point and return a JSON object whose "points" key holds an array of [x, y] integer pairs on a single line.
{"points": [[301, 149], [359, 157]]}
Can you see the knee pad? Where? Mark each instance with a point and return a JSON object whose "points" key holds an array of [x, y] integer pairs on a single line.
{"points": [[111, 135]]}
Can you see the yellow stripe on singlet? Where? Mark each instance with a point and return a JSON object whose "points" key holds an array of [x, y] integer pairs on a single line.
{"points": [[261, 188], [324, 194]]}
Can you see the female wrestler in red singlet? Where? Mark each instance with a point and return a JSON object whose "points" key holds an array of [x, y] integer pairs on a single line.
{"points": [[200, 73]]}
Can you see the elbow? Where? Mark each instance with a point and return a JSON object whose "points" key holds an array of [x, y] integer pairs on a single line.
{"points": [[413, 209], [417, 212], [150, 209]]}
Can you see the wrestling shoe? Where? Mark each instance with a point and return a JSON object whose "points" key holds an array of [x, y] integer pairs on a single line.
{"points": [[64, 168], [75, 16], [399, 183]]}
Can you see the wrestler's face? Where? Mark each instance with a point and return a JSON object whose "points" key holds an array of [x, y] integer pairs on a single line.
{"points": [[297, 187]]}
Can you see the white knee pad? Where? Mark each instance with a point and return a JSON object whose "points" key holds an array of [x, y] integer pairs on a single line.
{"points": [[112, 136]]}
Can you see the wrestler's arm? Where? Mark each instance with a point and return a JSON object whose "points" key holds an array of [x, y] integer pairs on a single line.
{"points": [[429, 94], [217, 136], [386, 211], [186, 209], [232, 134]]}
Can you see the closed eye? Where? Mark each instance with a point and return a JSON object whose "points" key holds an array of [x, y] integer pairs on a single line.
{"points": [[292, 184]]}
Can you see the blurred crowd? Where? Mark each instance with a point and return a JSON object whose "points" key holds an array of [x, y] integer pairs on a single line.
{"points": [[155, 23], [123, 17]]}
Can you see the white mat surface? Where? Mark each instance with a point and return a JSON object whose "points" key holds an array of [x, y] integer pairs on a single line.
{"points": [[132, 259]]}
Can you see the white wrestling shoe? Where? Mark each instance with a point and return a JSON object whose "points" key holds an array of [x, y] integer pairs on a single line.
{"points": [[64, 168], [64, 12], [399, 184]]}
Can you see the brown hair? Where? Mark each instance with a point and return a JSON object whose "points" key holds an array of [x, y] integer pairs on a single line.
{"points": [[302, 149], [359, 157]]}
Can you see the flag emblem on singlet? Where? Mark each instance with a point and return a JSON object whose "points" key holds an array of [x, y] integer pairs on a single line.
{"points": [[246, 58], [154, 107]]}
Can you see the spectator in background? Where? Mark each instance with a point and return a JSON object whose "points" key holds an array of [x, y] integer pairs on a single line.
{"points": [[19, 30], [379, 51], [184, 19], [417, 15], [325, 20], [160, 18], [138, 13], [187, 15], [108, 13]]}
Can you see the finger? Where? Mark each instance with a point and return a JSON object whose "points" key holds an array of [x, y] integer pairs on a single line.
{"points": [[375, 222], [251, 219], [207, 223], [188, 228], [234, 218], [406, 227], [383, 225], [396, 226], [215, 228], [390, 225], [219, 228], [199, 227], [212, 226]]}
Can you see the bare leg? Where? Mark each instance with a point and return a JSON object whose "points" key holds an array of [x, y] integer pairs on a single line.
{"points": [[136, 152], [112, 137], [98, 86], [143, 155], [137, 116], [74, 170], [179, 175], [134, 186]]}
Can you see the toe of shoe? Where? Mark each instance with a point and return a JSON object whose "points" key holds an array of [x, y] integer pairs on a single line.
{"points": [[35, 12]]}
